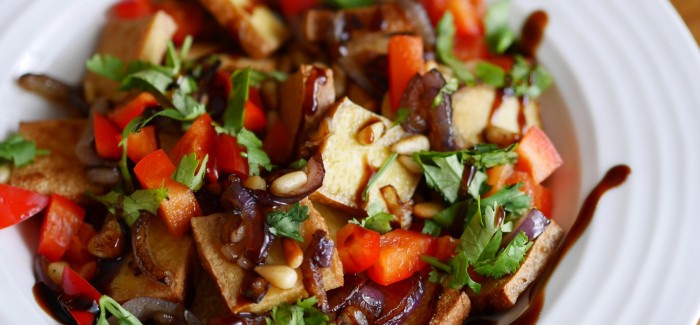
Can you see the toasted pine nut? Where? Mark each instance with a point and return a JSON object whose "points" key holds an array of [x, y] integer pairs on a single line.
{"points": [[430, 65], [408, 163], [292, 253], [409, 145], [370, 133], [427, 210], [288, 183], [55, 271], [238, 234], [255, 183], [281, 276], [4, 174]]}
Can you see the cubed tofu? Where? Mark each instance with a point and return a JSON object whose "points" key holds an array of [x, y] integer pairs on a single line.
{"points": [[173, 254], [232, 63], [59, 172], [207, 302], [349, 164], [259, 31], [143, 39], [453, 307], [304, 100], [229, 276], [472, 107], [502, 294]]}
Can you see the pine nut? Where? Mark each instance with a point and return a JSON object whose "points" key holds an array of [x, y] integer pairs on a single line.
{"points": [[370, 133], [292, 253], [288, 183], [408, 163], [4, 173], [427, 210], [238, 234], [55, 271], [409, 145], [255, 183], [281, 276]]}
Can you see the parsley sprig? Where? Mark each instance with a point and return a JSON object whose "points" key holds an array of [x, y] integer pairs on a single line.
{"points": [[287, 223], [19, 151], [129, 207], [377, 219], [302, 313], [187, 174], [444, 45]]}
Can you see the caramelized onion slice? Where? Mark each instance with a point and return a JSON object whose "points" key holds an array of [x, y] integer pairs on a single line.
{"points": [[317, 256], [159, 311], [533, 225], [109, 242], [402, 298], [55, 90], [142, 252]]}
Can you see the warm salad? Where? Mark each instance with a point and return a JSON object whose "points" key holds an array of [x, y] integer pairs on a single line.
{"points": [[290, 161]]}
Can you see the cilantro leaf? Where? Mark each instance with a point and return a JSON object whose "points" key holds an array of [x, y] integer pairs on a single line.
{"points": [[299, 164], [107, 303], [257, 76], [233, 116], [540, 80], [107, 66], [257, 157], [302, 313], [129, 207], [186, 172], [152, 81], [459, 275], [286, 223], [508, 260], [484, 156], [432, 228], [377, 175], [19, 151], [378, 220], [348, 4], [188, 108], [401, 116], [499, 35], [510, 198], [478, 232], [448, 89], [443, 172], [527, 79], [490, 74], [444, 45]]}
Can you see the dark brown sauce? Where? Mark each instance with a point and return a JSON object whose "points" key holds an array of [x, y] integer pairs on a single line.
{"points": [[533, 32], [615, 177], [317, 77], [48, 300], [501, 95]]}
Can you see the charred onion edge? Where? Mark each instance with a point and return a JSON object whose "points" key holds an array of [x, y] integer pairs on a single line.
{"points": [[109, 242], [142, 251], [407, 305], [314, 259], [56, 91], [147, 308]]}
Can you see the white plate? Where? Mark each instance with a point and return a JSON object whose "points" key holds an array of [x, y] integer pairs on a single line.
{"points": [[628, 91]]}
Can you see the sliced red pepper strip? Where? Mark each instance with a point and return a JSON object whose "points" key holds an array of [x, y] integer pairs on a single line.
{"points": [[107, 137], [62, 221], [358, 247], [18, 204], [75, 285]]}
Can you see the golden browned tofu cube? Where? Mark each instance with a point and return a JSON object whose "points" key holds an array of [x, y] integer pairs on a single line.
{"points": [[229, 276], [350, 164], [255, 26], [143, 39], [60, 172], [173, 254], [502, 294], [453, 307]]}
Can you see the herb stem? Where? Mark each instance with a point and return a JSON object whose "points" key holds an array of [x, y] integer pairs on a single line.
{"points": [[379, 173]]}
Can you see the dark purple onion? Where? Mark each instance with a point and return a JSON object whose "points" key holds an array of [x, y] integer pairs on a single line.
{"points": [[402, 299], [318, 255], [340, 298], [419, 18], [55, 90], [370, 299], [158, 310], [533, 225]]}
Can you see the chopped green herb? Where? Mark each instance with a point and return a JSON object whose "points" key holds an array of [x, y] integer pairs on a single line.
{"points": [[233, 116], [508, 259], [444, 49], [130, 206], [377, 175], [448, 89], [528, 80], [257, 157], [302, 313], [401, 116], [348, 4], [490, 74], [107, 66], [378, 220], [124, 316], [286, 223], [19, 151], [299, 164], [443, 173], [257, 76], [499, 35], [186, 172]]}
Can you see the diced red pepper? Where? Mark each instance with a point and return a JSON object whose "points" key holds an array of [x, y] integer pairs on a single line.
{"points": [[132, 9], [78, 252], [541, 197], [498, 177], [445, 247], [400, 256], [435, 9], [291, 8], [358, 247], [141, 143], [107, 137], [405, 61], [537, 155], [199, 139], [188, 16], [82, 317], [277, 143], [135, 107], [62, 221], [75, 285], [467, 17], [254, 118], [471, 47], [153, 169], [229, 158], [18, 204]]}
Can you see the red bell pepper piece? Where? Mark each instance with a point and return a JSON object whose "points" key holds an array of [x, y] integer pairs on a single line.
{"points": [[405, 61], [153, 169], [254, 118], [537, 155], [400, 256], [291, 8], [277, 143], [107, 137], [358, 247], [141, 143], [541, 197], [445, 247], [471, 47], [82, 317], [62, 221], [468, 17], [199, 139], [75, 285], [124, 114], [132, 9], [188, 16], [18, 204], [229, 158], [77, 252], [498, 177]]}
